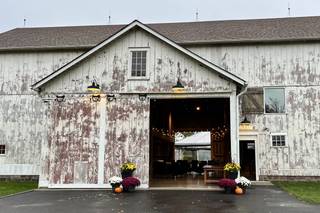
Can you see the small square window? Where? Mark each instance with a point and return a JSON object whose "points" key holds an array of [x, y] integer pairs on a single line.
{"points": [[138, 63], [274, 100], [278, 140], [2, 149]]}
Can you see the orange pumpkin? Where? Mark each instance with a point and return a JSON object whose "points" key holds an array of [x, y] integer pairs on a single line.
{"points": [[238, 191], [118, 190]]}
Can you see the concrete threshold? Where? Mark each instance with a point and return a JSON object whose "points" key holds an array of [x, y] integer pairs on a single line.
{"points": [[261, 183], [186, 188], [140, 189]]}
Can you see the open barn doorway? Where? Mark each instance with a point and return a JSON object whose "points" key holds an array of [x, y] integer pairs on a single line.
{"points": [[186, 137]]}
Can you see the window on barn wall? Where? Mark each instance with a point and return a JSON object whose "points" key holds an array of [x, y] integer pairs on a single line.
{"points": [[278, 140], [252, 101], [274, 100], [2, 149], [138, 63]]}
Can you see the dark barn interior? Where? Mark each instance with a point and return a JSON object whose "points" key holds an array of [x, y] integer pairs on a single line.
{"points": [[169, 117]]}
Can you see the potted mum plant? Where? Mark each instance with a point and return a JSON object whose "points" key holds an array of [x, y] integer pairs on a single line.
{"points": [[232, 170], [228, 185], [243, 183], [130, 183], [127, 169], [115, 182]]}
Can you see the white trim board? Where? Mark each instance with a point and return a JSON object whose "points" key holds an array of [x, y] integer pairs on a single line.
{"points": [[124, 30], [102, 140], [251, 135]]}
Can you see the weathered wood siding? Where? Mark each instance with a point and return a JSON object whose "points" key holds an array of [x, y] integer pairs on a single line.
{"points": [[73, 142], [127, 118], [110, 67], [297, 68], [127, 136], [23, 123]]}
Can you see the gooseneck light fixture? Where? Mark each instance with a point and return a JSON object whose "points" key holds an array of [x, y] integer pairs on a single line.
{"points": [[246, 124], [178, 88], [245, 120], [94, 88]]}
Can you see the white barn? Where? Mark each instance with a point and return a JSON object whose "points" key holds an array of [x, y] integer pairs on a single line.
{"points": [[265, 70]]}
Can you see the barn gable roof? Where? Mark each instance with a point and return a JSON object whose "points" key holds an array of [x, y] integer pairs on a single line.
{"points": [[292, 29], [225, 74]]}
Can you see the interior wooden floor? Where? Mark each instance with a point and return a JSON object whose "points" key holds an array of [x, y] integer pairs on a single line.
{"points": [[184, 182]]}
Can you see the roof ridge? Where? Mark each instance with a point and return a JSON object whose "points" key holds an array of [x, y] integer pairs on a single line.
{"points": [[244, 31], [166, 23], [229, 20], [71, 26]]}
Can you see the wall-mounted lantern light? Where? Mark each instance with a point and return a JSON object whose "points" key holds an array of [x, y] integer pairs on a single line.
{"points": [[110, 97], [245, 120], [94, 87], [96, 97], [142, 97], [246, 124], [60, 98], [178, 88]]}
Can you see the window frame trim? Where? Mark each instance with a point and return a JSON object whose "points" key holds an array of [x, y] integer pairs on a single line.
{"points": [[279, 134], [132, 49], [264, 101]]}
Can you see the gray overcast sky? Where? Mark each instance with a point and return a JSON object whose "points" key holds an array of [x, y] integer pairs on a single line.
{"points": [[96, 12]]}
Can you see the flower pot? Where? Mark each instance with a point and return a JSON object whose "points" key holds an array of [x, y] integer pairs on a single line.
{"points": [[129, 189], [114, 186], [125, 174], [244, 190], [233, 175], [228, 190]]}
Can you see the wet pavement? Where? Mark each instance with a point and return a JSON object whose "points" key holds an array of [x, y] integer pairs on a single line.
{"points": [[258, 199]]}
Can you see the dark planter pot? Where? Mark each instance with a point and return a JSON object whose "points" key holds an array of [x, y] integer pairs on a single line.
{"points": [[126, 174], [233, 175], [114, 186], [129, 189], [244, 190], [228, 190]]}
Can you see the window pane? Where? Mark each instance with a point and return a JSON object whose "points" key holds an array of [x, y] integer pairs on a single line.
{"points": [[252, 101], [2, 149], [274, 100], [278, 140], [138, 67]]}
